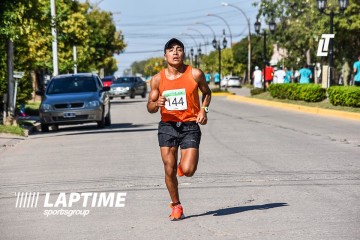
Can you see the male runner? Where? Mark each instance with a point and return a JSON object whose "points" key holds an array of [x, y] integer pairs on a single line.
{"points": [[174, 90]]}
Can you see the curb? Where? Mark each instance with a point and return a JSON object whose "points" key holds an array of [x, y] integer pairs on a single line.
{"points": [[221, 94], [288, 106]]}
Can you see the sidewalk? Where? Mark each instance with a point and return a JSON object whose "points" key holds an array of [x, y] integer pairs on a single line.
{"points": [[243, 95], [9, 140]]}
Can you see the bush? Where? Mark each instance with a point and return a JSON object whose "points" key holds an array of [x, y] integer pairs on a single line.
{"points": [[344, 96], [256, 91], [218, 90], [305, 92]]}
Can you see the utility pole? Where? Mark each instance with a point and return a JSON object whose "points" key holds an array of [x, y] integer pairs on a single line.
{"points": [[54, 40], [10, 70]]}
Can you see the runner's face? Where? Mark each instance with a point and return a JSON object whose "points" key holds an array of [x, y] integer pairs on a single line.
{"points": [[174, 54]]}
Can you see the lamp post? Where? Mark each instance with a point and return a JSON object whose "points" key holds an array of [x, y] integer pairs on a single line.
{"points": [[272, 27], [226, 23], [191, 54], [203, 37], [217, 45], [321, 5], [54, 40], [207, 25], [249, 36], [197, 61]]}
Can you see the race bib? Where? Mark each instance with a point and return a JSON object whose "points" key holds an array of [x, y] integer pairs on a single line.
{"points": [[175, 99]]}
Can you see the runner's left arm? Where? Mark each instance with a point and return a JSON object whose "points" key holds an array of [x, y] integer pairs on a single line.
{"points": [[206, 94]]}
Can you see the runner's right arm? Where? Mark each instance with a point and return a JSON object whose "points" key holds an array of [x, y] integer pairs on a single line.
{"points": [[155, 100]]}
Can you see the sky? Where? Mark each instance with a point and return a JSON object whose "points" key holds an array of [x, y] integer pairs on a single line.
{"points": [[148, 24]]}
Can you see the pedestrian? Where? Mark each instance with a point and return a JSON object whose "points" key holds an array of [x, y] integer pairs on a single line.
{"points": [[357, 71], [217, 78], [305, 74], [208, 77], [289, 77], [279, 75], [257, 77], [268, 75], [318, 73], [174, 91]]}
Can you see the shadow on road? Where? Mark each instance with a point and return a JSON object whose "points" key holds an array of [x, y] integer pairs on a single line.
{"points": [[235, 210], [92, 129], [144, 100]]}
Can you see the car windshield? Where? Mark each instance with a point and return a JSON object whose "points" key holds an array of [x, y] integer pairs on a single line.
{"points": [[71, 85], [125, 80]]}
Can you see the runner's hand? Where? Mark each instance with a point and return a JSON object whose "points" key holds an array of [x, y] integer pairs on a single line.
{"points": [[202, 117], [161, 101]]}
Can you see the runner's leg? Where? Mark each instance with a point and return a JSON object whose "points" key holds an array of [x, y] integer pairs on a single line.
{"points": [[169, 157], [189, 161]]}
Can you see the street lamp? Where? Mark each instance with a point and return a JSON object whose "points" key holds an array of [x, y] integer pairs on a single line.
{"points": [[272, 27], [203, 37], [197, 61], [207, 25], [226, 23], [249, 36], [217, 45], [321, 5], [192, 54]]}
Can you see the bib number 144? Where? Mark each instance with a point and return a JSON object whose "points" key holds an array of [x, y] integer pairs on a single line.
{"points": [[176, 99]]}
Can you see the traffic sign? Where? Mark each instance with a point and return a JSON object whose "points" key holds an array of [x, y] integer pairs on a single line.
{"points": [[18, 74]]}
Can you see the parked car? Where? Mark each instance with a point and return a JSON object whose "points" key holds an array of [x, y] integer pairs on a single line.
{"points": [[128, 87], [231, 81], [74, 99], [107, 80]]}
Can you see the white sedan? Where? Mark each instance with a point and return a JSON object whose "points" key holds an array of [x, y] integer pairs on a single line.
{"points": [[231, 81]]}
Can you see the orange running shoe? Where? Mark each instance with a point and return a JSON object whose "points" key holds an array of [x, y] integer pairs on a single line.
{"points": [[177, 212], [180, 172]]}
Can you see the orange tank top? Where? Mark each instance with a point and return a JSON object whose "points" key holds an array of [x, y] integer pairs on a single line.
{"points": [[183, 104]]}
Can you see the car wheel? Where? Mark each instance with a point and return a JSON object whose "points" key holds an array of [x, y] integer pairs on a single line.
{"points": [[122, 97], [101, 124], [55, 127], [143, 95], [132, 94], [108, 119], [44, 127]]}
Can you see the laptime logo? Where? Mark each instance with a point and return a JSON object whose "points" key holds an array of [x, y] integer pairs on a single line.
{"points": [[324, 42], [67, 201]]}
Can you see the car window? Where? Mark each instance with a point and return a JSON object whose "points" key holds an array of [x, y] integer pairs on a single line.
{"points": [[71, 85], [107, 79], [125, 80], [99, 83]]}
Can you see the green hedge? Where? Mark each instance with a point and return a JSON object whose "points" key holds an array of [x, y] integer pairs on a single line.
{"points": [[256, 91], [344, 96], [292, 91]]}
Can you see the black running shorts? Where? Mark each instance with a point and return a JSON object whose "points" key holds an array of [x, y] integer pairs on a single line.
{"points": [[183, 134]]}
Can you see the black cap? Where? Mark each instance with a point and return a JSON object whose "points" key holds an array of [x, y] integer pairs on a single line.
{"points": [[171, 41]]}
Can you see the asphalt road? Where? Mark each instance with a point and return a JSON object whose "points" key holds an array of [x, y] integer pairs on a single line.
{"points": [[264, 173]]}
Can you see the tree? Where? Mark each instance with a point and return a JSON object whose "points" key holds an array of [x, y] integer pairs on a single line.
{"points": [[300, 26], [240, 50], [154, 65]]}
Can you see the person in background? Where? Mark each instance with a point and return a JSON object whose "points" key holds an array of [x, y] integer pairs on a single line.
{"points": [[207, 77], [279, 75], [217, 78], [357, 71], [305, 74], [257, 78], [289, 77], [268, 75]]}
